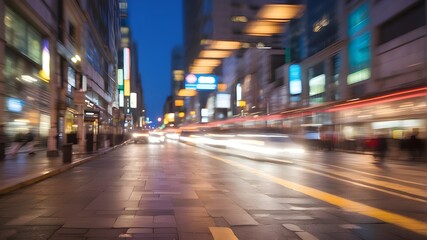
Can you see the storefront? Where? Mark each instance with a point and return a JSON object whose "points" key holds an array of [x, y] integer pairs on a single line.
{"points": [[26, 79]]}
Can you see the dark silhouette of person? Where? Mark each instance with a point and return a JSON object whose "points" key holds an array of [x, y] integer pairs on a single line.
{"points": [[381, 148], [3, 141], [415, 147]]}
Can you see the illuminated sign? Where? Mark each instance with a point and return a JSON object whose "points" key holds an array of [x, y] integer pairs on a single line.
{"points": [[238, 92], [222, 100], [126, 63], [222, 87], [133, 101], [45, 73], [204, 112], [127, 88], [359, 46], [359, 76], [120, 78], [295, 85], [179, 103], [201, 81], [358, 20], [317, 85], [14, 105], [121, 99]]}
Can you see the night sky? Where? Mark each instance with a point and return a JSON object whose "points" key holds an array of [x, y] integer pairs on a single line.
{"points": [[156, 27]]}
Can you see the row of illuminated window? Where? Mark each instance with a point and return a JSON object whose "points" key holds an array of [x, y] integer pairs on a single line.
{"points": [[21, 35]]}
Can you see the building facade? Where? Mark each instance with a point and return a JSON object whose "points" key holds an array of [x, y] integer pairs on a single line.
{"points": [[59, 72]]}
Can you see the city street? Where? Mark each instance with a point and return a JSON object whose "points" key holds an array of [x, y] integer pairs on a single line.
{"points": [[178, 191]]}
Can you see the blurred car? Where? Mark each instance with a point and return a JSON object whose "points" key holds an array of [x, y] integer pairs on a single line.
{"points": [[156, 137], [265, 146], [140, 136], [189, 136]]}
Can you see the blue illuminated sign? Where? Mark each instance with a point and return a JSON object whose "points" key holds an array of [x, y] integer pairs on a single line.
{"points": [[201, 81], [295, 85], [14, 105], [358, 20], [359, 47]]}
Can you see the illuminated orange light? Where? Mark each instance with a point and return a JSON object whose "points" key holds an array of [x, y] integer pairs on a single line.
{"points": [[280, 12], [214, 54], [222, 87], [179, 103], [207, 62], [187, 93], [264, 28], [224, 45]]}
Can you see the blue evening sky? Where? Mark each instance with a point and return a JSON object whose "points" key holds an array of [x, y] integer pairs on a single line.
{"points": [[156, 27]]}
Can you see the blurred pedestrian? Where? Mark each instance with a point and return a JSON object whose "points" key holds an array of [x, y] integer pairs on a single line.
{"points": [[22, 140], [415, 147], [29, 141], [381, 148], [3, 142]]}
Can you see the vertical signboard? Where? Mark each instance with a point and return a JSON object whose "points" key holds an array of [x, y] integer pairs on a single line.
{"points": [[120, 78], [126, 71], [359, 46], [121, 98], [295, 85], [133, 101], [127, 88]]}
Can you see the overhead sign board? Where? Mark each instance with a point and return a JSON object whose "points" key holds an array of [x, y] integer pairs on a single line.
{"points": [[201, 81]]}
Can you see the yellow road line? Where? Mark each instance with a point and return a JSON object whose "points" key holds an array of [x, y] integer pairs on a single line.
{"points": [[403, 188], [346, 204], [371, 174], [222, 233]]}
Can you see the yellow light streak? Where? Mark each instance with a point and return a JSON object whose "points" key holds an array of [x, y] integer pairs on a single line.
{"points": [[224, 45], [280, 12], [346, 204], [264, 28], [214, 54], [222, 233]]}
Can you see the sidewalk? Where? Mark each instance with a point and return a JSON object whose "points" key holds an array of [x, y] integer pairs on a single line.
{"points": [[21, 170]]}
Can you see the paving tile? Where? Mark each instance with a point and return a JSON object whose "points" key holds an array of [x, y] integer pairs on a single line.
{"points": [[140, 230], [47, 221], [72, 231], [234, 217], [165, 230], [195, 236], [306, 236], [85, 222], [22, 220], [187, 203], [154, 212], [111, 205], [134, 222], [264, 232], [106, 233], [165, 219]]}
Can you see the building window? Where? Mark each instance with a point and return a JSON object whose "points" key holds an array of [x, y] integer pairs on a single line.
{"points": [[22, 36], [336, 62], [413, 18], [317, 83], [72, 31]]}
